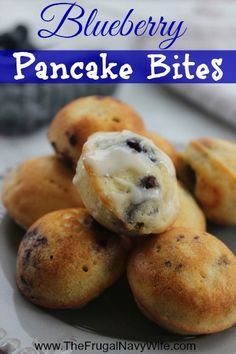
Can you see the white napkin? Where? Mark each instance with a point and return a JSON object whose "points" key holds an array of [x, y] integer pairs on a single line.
{"points": [[211, 26]]}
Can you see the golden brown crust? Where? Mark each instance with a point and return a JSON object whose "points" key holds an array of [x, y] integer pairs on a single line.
{"points": [[38, 186], [81, 118], [213, 164], [190, 214], [185, 281], [66, 259]]}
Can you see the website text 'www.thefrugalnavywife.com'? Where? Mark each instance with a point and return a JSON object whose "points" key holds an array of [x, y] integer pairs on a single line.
{"points": [[105, 347]]}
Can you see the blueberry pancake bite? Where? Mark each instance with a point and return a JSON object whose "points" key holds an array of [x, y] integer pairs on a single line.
{"points": [[66, 259], [127, 183], [209, 167], [38, 186], [184, 280], [78, 120], [190, 214]]}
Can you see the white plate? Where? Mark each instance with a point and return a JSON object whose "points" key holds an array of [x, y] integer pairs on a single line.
{"points": [[113, 316]]}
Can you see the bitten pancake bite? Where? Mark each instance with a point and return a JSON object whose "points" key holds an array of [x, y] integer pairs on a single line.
{"points": [[78, 120], [37, 187], [163, 144], [127, 183], [190, 214], [66, 259], [184, 280], [210, 165]]}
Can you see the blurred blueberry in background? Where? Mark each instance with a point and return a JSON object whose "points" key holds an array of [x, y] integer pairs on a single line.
{"points": [[27, 107]]}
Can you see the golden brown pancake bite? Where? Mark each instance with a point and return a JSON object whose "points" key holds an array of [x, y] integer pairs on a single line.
{"points": [[66, 259], [78, 120], [184, 280], [210, 165], [38, 186]]}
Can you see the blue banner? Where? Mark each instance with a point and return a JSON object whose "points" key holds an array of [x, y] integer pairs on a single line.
{"points": [[118, 67]]}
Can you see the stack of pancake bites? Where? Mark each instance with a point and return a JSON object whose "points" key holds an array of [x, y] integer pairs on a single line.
{"points": [[117, 197]]}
